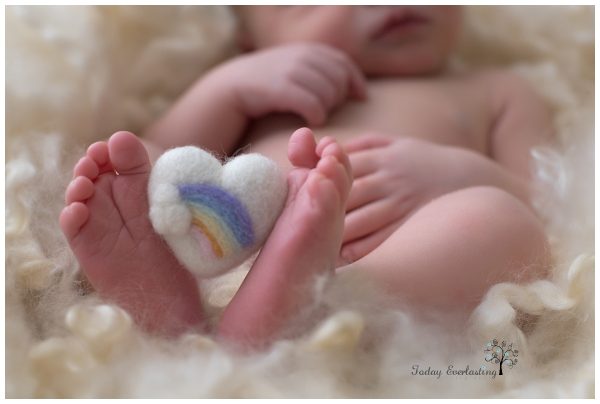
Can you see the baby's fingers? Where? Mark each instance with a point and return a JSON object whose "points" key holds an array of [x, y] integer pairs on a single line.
{"points": [[355, 250], [368, 141], [336, 78], [355, 78], [370, 218], [304, 103], [319, 85], [364, 163], [358, 84], [365, 190]]}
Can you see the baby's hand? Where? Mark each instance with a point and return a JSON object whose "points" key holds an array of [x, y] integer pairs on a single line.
{"points": [[392, 178], [308, 79]]}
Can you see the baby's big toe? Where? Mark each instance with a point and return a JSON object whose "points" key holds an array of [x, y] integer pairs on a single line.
{"points": [[301, 149], [127, 154]]}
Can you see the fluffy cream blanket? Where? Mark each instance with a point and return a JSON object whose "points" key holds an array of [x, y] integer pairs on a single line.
{"points": [[75, 74]]}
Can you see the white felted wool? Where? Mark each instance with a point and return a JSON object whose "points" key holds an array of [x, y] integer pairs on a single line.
{"points": [[207, 227]]}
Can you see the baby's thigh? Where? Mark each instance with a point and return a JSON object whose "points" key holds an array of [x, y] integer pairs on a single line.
{"points": [[458, 245]]}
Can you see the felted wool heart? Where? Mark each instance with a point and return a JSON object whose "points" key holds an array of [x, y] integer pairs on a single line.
{"points": [[213, 216]]}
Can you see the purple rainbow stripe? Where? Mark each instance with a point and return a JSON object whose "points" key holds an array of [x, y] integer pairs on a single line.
{"points": [[220, 216]]}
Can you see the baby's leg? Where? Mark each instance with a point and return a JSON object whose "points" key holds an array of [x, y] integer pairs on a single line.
{"points": [[305, 241], [106, 224], [452, 250]]}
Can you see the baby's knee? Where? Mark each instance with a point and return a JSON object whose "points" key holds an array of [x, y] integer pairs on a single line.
{"points": [[487, 209], [497, 219]]}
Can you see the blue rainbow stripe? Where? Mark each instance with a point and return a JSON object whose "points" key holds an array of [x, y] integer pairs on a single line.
{"points": [[220, 216]]}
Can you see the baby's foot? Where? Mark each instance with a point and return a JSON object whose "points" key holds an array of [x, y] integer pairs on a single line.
{"points": [[106, 223], [305, 241]]}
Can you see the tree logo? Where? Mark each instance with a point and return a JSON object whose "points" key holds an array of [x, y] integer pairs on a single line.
{"points": [[501, 354]]}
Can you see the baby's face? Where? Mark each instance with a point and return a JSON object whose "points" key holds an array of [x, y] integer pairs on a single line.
{"points": [[383, 40]]}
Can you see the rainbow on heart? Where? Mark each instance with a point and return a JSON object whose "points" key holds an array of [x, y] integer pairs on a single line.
{"points": [[214, 216], [219, 216]]}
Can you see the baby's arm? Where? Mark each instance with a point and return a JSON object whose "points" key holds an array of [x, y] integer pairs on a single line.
{"points": [[205, 115], [521, 123], [395, 177], [303, 78]]}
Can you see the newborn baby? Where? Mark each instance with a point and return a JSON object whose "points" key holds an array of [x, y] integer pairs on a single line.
{"points": [[413, 174]]}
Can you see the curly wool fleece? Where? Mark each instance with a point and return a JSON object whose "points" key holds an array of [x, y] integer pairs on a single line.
{"points": [[62, 342]]}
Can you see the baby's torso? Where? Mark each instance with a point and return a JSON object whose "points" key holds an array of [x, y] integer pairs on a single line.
{"points": [[447, 111]]}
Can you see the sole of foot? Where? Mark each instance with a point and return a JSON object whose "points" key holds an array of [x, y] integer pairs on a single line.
{"points": [[106, 223]]}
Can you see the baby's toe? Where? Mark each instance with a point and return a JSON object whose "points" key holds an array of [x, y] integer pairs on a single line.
{"points": [[333, 170], [323, 143], [72, 218], [80, 189], [86, 167], [335, 150], [98, 152], [128, 155], [301, 149]]}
